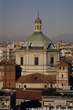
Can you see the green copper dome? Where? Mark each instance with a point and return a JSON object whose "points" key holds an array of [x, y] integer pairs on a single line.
{"points": [[38, 39]]}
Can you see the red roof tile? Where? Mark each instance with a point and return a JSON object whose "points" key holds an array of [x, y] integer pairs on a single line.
{"points": [[37, 78], [28, 94]]}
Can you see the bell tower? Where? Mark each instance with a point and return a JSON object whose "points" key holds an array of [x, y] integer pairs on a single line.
{"points": [[38, 24]]}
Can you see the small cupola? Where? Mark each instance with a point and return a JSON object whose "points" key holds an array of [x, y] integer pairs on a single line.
{"points": [[38, 24]]}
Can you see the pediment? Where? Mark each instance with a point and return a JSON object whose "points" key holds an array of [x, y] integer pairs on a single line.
{"points": [[51, 46], [37, 78]]}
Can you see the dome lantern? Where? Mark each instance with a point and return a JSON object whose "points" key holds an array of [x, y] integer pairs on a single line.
{"points": [[38, 24]]}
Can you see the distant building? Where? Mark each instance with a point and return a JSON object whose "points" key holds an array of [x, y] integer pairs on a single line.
{"points": [[65, 52], [63, 75], [7, 74], [7, 99], [6, 52], [57, 102], [66, 49], [1, 76], [66, 71], [70, 68], [7, 66]]}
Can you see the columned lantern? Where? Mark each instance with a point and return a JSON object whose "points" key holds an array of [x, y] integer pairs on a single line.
{"points": [[38, 24]]}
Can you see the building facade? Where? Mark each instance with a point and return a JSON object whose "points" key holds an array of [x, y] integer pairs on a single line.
{"points": [[63, 75], [38, 59], [7, 74], [66, 49]]}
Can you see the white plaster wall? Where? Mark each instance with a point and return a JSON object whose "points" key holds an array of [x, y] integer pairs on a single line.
{"points": [[29, 55], [30, 85], [63, 72], [18, 101], [55, 55], [34, 85], [29, 60], [63, 79]]}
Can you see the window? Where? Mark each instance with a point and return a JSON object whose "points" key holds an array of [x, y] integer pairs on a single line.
{"points": [[36, 62], [60, 67], [45, 86], [62, 84], [24, 86], [62, 75], [51, 85], [21, 61], [52, 60], [37, 27]]}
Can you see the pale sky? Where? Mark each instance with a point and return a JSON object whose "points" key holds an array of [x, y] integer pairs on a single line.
{"points": [[17, 16]]}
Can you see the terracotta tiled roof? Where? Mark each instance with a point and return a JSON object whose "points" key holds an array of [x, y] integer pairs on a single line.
{"points": [[29, 94], [37, 78]]}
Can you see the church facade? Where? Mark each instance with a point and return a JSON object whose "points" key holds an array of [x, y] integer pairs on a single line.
{"points": [[38, 59]]}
